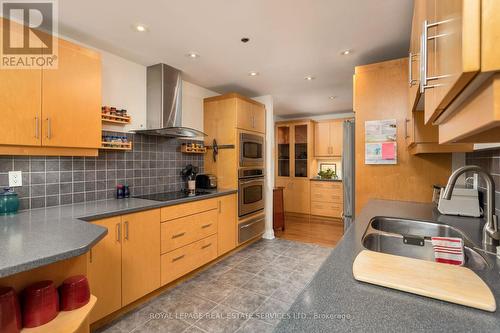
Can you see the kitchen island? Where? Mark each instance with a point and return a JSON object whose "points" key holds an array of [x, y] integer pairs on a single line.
{"points": [[335, 302]]}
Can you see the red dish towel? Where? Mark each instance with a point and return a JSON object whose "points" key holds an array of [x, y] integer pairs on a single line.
{"points": [[448, 250]]}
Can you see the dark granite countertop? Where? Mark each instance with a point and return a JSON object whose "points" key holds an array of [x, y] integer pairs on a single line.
{"points": [[353, 306], [39, 237], [325, 180]]}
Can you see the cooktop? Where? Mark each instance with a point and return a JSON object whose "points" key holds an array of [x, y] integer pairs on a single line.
{"points": [[168, 196]]}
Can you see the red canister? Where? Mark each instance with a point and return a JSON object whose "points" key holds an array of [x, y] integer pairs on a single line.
{"points": [[10, 311], [74, 292], [40, 303]]}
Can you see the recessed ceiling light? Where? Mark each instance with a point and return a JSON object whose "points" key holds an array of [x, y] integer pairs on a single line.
{"points": [[192, 55], [140, 28], [346, 52], [332, 97], [253, 73], [309, 78]]}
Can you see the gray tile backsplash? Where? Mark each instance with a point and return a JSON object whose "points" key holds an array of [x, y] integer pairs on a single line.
{"points": [[490, 161], [154, 165]]}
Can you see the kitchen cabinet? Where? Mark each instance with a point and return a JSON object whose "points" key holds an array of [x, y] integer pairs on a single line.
{"points": [[53, 111], [125, 264], [140, 254], [71, 99], [227, 224], [419, 12], [251, 115], [293, 167], [327, 199], [328, 138], [105, 270]]}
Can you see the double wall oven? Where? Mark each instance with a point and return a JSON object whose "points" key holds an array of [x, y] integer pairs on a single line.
{"points": [[251, 186]]}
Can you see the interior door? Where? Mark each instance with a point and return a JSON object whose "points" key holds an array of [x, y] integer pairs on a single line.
{"points": [[20, 99], [105, 270], [322, 139], [71, 99], [140, 254]]}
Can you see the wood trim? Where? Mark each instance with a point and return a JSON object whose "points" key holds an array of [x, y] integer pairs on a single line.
{"points": [[232, 95], [435, 148], [47, 151]]}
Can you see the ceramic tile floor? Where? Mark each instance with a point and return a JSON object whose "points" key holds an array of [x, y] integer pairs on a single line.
{"points": [[245, 292]]}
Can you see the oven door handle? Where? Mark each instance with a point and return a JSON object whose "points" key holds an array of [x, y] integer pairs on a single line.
{"points": [[251, 181], [252, 223]]}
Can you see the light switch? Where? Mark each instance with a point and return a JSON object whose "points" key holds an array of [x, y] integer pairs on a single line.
{"points": [[15, 178]]}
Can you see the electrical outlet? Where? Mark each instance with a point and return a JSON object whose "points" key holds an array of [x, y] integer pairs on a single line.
{"points": [[15, 178]]}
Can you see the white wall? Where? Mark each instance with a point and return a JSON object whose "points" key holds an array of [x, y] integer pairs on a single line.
{"points": [[268, 102], [192, 104]]}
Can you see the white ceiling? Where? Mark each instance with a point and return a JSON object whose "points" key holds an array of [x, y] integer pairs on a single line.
{"points": [[289, 40]]}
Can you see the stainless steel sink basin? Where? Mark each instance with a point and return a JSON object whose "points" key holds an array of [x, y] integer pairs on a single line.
{"points": [[411, 238]]}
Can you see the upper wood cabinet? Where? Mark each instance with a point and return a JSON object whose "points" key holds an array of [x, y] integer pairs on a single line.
{"points": [[53, 111], [419, 12], [251, 115], [328, 138], [71, 99], [293, 151]]}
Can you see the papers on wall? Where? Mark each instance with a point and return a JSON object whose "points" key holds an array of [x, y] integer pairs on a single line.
{"points": [[380, 142]]}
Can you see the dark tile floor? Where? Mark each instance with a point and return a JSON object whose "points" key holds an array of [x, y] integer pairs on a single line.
{"points": [[245, 292]]}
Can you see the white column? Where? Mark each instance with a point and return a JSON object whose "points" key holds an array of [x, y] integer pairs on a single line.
{"points": [[268, 102]]}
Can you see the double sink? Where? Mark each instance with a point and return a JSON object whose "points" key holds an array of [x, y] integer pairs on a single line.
{"points": [[412, 238]]}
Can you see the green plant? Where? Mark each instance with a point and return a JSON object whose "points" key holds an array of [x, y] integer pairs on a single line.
{"points": [[327, 174]]}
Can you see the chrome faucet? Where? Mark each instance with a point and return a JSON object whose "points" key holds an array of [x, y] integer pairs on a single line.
{"points": [[491, 235]]}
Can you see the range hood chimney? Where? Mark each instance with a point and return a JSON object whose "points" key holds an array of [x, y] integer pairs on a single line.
{"points": [[164, 104]]}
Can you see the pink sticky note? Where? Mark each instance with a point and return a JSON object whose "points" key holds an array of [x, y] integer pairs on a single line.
{"points": [[388, 150]]}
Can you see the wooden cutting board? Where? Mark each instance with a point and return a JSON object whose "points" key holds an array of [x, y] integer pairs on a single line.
{"points": [[445, 282]]}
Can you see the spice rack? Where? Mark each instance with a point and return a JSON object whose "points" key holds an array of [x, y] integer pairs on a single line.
{"points": [[116, 145], [193, 148], [110, 114]]}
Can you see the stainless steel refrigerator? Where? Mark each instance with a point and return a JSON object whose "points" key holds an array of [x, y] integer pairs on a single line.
{"points": [[348, 165]]}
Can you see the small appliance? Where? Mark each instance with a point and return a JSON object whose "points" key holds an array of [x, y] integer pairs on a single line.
{"points": [[464, 202], [206, 181], [251, 150], [251, 187]]}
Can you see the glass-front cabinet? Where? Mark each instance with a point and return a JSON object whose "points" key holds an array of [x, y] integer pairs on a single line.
{"points": [[293, 149]]}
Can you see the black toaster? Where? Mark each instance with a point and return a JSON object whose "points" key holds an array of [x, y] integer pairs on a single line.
{"points": [[206, 181]]}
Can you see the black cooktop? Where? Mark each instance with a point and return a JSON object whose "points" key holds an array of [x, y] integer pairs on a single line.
{"points": [[169, 196]]}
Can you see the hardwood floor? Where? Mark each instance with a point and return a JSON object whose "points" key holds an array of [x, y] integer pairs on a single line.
{"points": [[311, 229]]}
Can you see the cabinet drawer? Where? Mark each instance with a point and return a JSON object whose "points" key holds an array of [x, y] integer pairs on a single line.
{"points": [[333, 196], [177, 263], [326, 209], [185, 230], [326, 185], [177, 211]]}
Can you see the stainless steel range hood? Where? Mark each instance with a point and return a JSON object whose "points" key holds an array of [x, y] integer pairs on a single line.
{"points": [[164, 104]]}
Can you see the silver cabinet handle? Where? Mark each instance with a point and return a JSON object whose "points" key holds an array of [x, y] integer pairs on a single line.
{"points": [[424, 55], [118, 232], [49, 130], [206, 226], [126, 229], [178, 235], [178, 258], [411, 81], [90, 255], [205, 246], [406, 128], [37, 128], [220, 207]]}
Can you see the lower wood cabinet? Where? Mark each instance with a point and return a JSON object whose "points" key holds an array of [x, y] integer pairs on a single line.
{"points": [[227, 226], [125, 264], [327, 199], [146, 250], [179, 262], [140, 254]]}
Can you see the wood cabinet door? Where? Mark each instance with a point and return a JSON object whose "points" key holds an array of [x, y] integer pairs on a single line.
{"points": [[259, 118], [71, 99], [299, 196], [419, 8], [322, 139], [227, 228], [105, 270], [454, 55], [245, 115], [20, 99], [140, 254], [336, 137]]}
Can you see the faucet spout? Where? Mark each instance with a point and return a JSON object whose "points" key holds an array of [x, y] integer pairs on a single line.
{"points": [[491, 235]]}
